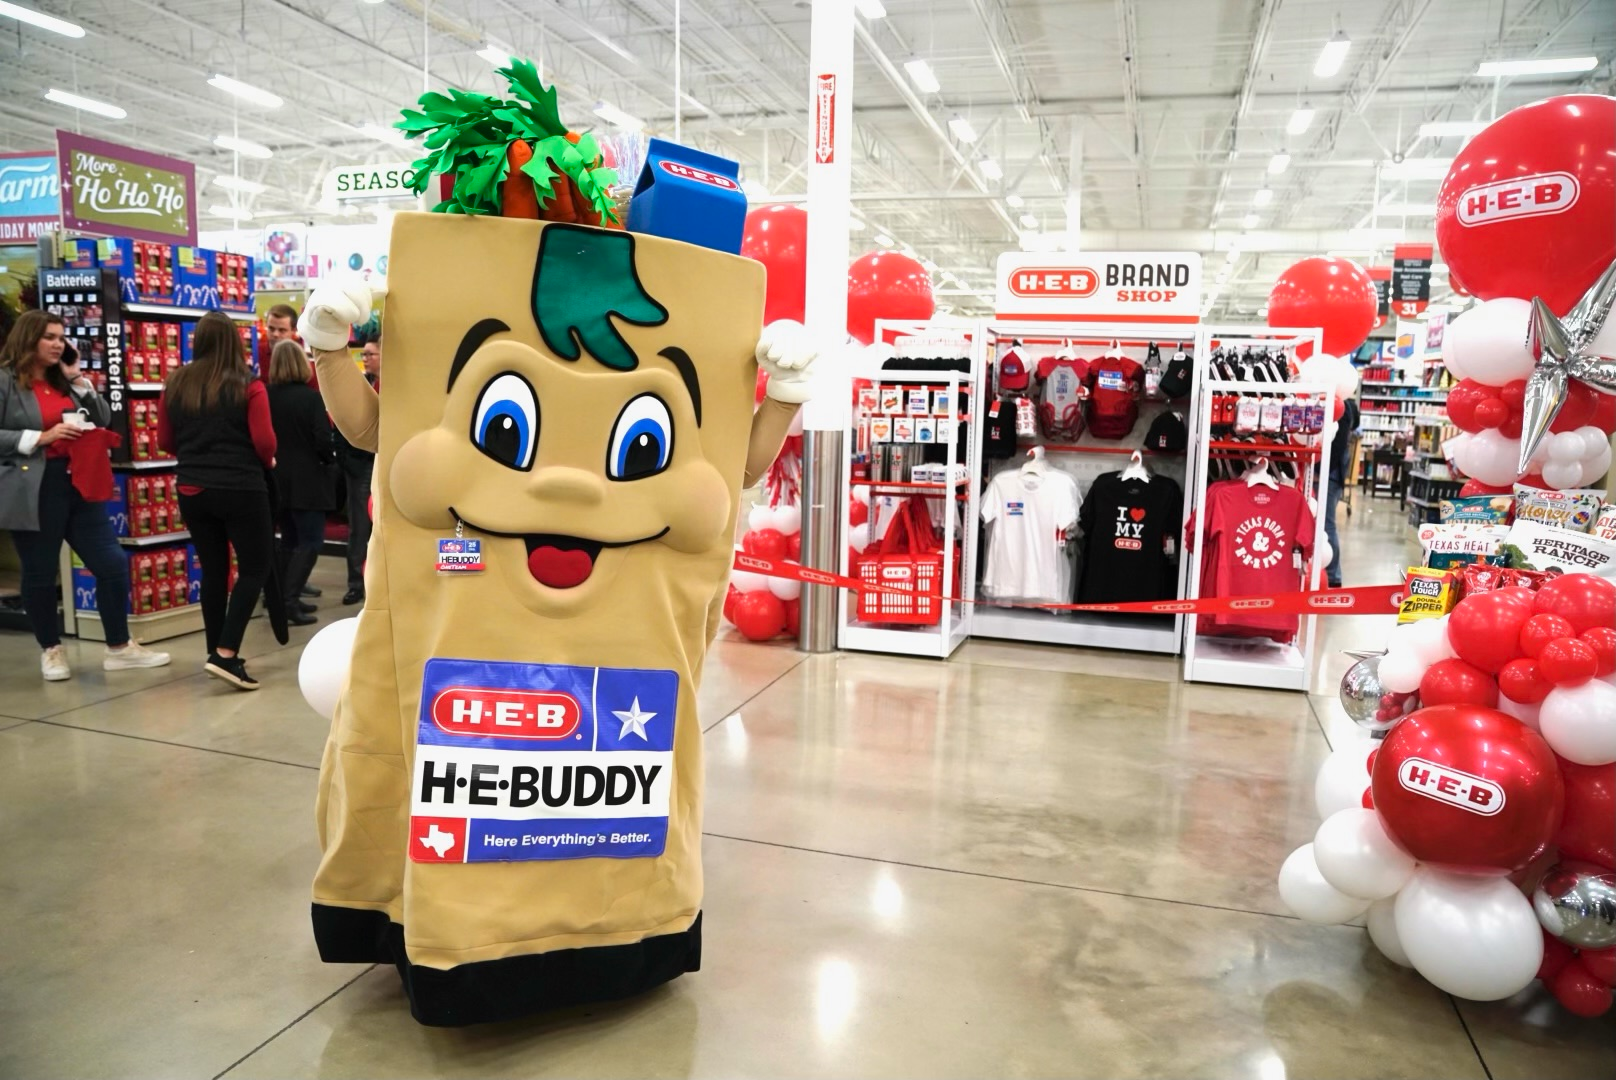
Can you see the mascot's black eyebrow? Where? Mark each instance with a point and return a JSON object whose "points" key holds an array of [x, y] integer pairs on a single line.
{"points": [[485, 329], [687, 371]]}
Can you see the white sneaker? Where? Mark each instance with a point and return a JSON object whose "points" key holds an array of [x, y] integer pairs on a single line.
{"points": [[132, 655], [53, 664]]}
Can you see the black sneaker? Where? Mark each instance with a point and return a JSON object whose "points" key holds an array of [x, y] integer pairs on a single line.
{"points": [[300, 616], [231, 669], [300, 606], [311, 591], [353, 596]]}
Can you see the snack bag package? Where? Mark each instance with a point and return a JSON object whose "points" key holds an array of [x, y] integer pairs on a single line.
{"points": [[1605, 524], [1476, 510], [1532, 545], [1449, 546], [1572, 510], [1427, 594], [510, 798]]}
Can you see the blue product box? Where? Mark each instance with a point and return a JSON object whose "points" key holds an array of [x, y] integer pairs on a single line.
{"points": [[688, 195], [117, 507], [83, 588], [187, 332], [80, 254], [194, 573], [195, 278]]}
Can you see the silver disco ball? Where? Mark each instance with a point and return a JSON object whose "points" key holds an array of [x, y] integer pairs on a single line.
{"points": [[1365, 699], [1577, 904]]}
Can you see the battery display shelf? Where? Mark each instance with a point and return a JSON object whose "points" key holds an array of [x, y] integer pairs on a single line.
{"points": [[908, 451], [1083, 458]]}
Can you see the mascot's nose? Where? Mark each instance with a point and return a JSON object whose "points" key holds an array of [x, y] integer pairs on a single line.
{"points": [[575, 487]]}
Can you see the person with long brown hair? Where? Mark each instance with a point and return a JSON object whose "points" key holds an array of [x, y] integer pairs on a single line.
{"points": [[304, 488], [214, 418], [46, 404]]}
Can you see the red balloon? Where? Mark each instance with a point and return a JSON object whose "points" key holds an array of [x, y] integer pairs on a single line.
{"points": [[1578, 409], [1604, 417], [1456, 285], [1533, 480], [1601, 964], [1587, 832], [1584, 600], [1522, 682], [794, 547], [1485, 628], [858, 513], [759, 615], [729, 603], [1455, 682], [1476, 487], [1513, 394], [1511, 427], [886, 285], [1548, 227], [765, 544], [1539, 630], [1568, 661], [1462, 402], [1575, 987], [777, 237], [1556, 955], [1468, 789], [1490, 412], [793, 617], [1602, 640], [1338, 409], [1333, 294]]}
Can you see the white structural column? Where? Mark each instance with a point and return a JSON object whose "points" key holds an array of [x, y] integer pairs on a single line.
{"points": [[830, 185]]}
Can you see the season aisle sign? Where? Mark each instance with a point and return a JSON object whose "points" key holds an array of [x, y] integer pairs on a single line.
{"points": [[515, 762], [1099, 286]]}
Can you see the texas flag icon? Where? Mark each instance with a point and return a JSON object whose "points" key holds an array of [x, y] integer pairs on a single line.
{"points": [[437, 839]]}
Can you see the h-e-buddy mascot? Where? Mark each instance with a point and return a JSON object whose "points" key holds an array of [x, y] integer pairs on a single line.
{"points": [[510, 798]]}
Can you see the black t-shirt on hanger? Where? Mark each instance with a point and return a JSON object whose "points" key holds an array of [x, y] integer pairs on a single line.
{"points": [[1125, 523]]}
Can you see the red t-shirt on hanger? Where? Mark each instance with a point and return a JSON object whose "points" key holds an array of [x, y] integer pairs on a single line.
{"points": [[1115, 383], [1251, 531]]}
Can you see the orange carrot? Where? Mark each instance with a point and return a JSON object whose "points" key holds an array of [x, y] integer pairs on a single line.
{"points": [[517, 199]]}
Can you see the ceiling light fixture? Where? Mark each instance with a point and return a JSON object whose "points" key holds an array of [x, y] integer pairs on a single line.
{"points": [[1441, 129], [74, 101], [236, 183], [1263, 197], [855, 225], [242, 146], [962, 129], [221, 210], [1029, 221], [247, 92], [871, 9], [389, 135], [1249, 221], [41, 20], [613, 115], [495, 55], [1417, 169], [1570, 65], [884, 240], [1278, 164], [990, 169], [921, 74], [1333, 55], [1015, 202], [1300, 121]]}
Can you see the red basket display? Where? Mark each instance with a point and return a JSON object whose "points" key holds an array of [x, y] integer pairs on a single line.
{"points": [[911, 559]]}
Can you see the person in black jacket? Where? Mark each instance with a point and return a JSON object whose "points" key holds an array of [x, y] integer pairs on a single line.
{"points": [[304, 453], [214, 417], [1340, 467]]}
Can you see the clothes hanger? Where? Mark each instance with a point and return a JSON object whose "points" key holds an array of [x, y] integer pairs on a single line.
{"points": [[1035, 461], [1115, 351], [1258, 474], [1136, 467]]}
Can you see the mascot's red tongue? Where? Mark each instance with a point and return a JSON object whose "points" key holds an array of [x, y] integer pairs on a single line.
{"points": [[560, 568]]}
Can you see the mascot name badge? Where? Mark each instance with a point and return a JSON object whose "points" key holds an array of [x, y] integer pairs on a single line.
{"points": [[515, 762]]}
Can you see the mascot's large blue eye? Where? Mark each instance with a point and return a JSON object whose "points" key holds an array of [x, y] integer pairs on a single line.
{"points": [[505, 425], [642, 439]]}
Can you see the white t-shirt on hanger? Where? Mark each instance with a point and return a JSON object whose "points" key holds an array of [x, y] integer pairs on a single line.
{"points": [[1032, 513]]}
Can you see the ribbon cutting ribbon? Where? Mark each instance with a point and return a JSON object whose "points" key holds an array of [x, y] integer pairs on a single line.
{"points": [[1364, 600]]}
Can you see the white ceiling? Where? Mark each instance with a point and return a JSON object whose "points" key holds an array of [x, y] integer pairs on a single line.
{"points": [[1175, 106]]}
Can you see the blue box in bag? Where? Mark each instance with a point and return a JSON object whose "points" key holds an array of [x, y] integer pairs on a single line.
{"points": [[688, 195]]}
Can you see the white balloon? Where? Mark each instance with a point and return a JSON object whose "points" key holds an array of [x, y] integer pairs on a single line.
{"points": [[858, 537], [1383, 931], [1491, 458], [1342, 779], [785, 588], [1310, 897], [1356, 856], [745, 581], [1324, 554], [1346, 378], [758, 518], [1488, 343], [862, 494], [1525, 713], [1318, 368], [322, 670], [788, 519], [1401, 669], [1579, 722], [1566, 446], [1474, 937], [1429, 641], [1596, 465], [1560, 475]]}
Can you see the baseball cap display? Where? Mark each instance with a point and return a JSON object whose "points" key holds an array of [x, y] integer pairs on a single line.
{"points": [[1179, 377], [1167, 432], [1012, 371]]}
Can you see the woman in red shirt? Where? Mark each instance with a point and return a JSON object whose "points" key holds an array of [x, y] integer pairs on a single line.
{"points": [[214, 418], [45, 404]]}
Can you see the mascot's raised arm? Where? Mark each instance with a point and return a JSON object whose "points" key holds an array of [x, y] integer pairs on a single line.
{"points": [[510, 798]]}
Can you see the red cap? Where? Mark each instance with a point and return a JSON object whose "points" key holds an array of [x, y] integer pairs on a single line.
{"points": [[1012, 372]]}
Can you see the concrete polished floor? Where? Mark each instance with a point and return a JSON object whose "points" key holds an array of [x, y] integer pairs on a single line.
{"points": [[1023, 862]]}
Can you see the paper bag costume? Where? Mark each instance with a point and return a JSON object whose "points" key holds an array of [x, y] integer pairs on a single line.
{"points": [[510, 799]]}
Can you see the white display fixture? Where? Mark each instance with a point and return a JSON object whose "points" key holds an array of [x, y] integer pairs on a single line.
{"points": [[886, 496], [1084, 460]]}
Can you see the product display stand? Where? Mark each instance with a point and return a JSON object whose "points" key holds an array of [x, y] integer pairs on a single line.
{"points": [[870, 464], [1084, 459]]}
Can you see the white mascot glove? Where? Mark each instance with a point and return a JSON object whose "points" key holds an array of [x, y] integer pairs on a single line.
{"points": [[334, 309], [786, 353]]}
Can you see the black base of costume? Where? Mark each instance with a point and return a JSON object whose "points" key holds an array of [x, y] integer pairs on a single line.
{"points": [[516, 986]]}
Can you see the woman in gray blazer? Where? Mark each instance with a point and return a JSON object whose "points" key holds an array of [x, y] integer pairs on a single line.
{"points": [[45, 404]]}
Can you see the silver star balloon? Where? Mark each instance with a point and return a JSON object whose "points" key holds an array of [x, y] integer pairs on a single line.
{"points": [[1563, 351]]}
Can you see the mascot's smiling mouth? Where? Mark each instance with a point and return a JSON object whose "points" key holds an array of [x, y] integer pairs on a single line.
{"points": [[561, 562]]}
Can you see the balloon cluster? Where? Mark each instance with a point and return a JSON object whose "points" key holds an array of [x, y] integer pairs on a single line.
{"points": [[1485, 349], [1480, 835], [766, 607]]}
